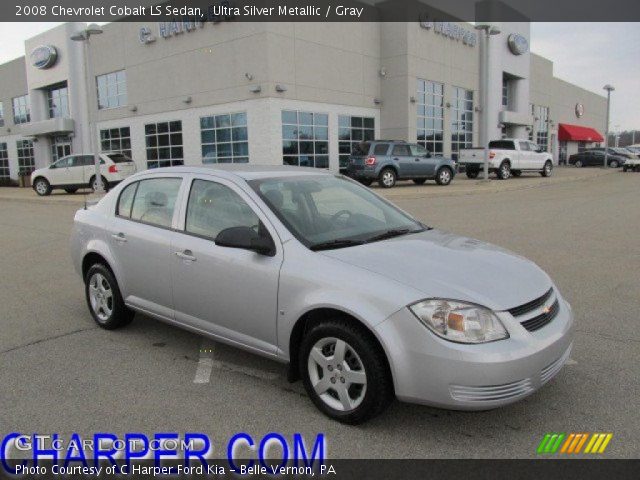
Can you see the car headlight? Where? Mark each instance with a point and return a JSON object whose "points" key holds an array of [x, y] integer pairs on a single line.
{"points": [[459, 321]]}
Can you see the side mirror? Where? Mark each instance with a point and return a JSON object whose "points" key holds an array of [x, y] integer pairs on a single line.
{"points": [[246, 238]]}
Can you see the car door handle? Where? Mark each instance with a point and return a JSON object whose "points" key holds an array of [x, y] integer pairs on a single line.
{"points": [[119, 237], [186, 255]]}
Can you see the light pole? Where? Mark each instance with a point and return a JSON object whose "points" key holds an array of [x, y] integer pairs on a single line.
{"points": [[609, 89], [487, 30], [84, 36]]}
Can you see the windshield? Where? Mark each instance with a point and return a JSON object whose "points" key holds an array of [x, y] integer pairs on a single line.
{"points": [[332, 211]]}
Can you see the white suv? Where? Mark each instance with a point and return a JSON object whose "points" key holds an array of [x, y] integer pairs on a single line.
{"points": [[78, 171]]}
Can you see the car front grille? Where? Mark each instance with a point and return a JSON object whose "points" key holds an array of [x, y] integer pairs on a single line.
{"points": [[532, 305], [539, 321], [492, 392]]}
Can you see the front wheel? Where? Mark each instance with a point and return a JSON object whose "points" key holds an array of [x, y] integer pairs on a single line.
{"points": [[344, 371], [504, 171], [387, 178], [42, 187], [104, 298], [614, 164], [578, 163], [444, 176], [547, 170]]}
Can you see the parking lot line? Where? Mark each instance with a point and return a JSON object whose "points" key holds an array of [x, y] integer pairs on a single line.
{"points": [[205, 363]]}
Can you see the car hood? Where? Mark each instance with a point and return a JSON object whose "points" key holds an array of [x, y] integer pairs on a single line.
{"points": [[444, 265]]}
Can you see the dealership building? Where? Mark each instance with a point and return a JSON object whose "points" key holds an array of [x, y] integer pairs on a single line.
{"points": [[271, 93]]}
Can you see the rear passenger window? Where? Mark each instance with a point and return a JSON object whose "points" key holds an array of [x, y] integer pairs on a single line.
{"points": [[126, 200], [401, 151], [155, 201], [214, 207], [381, 149]]}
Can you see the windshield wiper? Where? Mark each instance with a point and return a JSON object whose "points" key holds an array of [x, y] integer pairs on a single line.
{"points": [[338, 243], [394, 232]]}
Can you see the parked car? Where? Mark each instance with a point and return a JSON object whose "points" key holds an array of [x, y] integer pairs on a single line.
{"points": [[635, 149], [619, 151], [507, 157], [78, 171], [631, 165], [388, 161], [595, 158], [312, 269]]}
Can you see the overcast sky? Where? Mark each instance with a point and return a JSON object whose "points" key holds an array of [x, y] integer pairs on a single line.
{"points": [[587, 54]]}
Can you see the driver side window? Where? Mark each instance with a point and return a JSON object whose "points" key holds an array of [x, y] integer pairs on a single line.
{"points": [[214, 207]]}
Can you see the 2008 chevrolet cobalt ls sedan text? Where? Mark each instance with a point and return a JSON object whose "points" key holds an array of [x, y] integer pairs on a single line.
{"points": [[307, 267]]}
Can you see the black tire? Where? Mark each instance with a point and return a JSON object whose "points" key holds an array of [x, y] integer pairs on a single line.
{"points": [[366, 182], [614, 164], [472, 173], [516, 173], [379, 385], [504, 172], [444, 175], [71, 190], [387, 178], [547, 170], [105, 186], [419, 181], [578, 164], [42, 186], [120, 315]]}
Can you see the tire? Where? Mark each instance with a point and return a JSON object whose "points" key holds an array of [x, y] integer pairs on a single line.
{"points": [[614, 164], [444, 175], [547, 170], [366, 182], [419, 181], [504, 172], [387, 178], [516, 173], [42, 186], [472, 173], [71, 190], [104, 298], [578, 163], [93, 185], [357, 402]]}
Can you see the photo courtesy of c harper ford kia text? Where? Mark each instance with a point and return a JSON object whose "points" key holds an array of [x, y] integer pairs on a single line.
{"points": [[370, 239]]}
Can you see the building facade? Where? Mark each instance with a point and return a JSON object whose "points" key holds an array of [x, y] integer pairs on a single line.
{"points": [[273, 93]]}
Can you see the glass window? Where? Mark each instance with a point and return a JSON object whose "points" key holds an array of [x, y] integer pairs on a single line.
{"points": [[116, 140], [21, 110], [542, 126], [164, 144], [524, 146], [430, 118], [155, 201], [26, 158], [214, 207], [352, 131], [506, 92], [225, 138], [60, 147], [58, 101], [461, 120], [381, 149], [4, 162], [1, 115], [305, 139], [401, 151], [417, 150], [125, 202], [112, 89], [65, 162]]}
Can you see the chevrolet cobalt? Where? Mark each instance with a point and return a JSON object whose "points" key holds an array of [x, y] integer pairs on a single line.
{"points": [[364, 302]]}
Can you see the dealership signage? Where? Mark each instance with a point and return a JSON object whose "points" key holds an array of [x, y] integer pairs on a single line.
{"points": [[44, 56], [518, 44], [452, 30], [579, 110]]}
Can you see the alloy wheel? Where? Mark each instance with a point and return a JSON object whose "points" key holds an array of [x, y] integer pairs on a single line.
{"points": [[101, 296], [337, 374], [387, 179], [41, 187], [445, 176]]}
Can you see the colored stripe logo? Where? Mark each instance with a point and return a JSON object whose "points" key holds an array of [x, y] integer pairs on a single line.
{"points": [[573, 443]]}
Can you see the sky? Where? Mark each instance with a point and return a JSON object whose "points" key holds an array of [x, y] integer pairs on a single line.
{"points": [[590, 55]]}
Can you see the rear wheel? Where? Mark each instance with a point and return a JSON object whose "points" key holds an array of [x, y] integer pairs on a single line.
{"points": [[94, 184], [444, 176], [387, 178], [504, 171], [419, 181], [578, 163], [104, 298], [344, 371], [547, 170], [473, 173], [42, 186], [614, 164]]}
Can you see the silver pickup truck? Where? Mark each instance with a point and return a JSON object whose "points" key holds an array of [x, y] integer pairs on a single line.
{"points": [[507, 157]]}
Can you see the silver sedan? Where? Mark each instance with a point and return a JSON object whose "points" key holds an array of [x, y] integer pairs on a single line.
{"points": [[363, 302]]}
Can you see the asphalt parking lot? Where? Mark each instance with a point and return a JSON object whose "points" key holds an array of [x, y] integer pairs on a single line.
{"points": [[60, 373]]}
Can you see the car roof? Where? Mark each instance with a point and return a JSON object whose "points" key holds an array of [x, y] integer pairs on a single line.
{"points": [[243, 171]]}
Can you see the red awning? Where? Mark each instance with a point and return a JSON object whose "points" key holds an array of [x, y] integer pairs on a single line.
{"points": [[576, 133]]}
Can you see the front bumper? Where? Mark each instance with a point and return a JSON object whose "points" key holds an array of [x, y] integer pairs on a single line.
{"points": [[432, 371]]}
